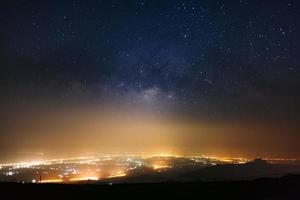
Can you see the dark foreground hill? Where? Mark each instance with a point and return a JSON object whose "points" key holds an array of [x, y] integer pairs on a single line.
{"points": [[286, 187], [221, 172]]}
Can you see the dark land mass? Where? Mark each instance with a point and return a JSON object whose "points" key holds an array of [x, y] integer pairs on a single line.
{"points": [[286, 187], [223, 172], [254, 180]]}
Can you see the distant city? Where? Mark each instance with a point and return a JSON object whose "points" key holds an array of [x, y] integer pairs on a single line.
{"points": [[123, 168]]}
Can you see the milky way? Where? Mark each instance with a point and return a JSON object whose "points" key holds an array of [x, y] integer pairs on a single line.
{"points": [[201, 60]]}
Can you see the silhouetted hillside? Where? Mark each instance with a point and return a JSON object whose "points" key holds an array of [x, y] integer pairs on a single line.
{"points": [[286, 187], [255, 169], [223, 172]]}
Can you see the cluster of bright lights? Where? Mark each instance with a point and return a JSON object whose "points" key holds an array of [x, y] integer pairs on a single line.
{"points": [[69, 172], [92, 178], [118, 174], [160, 166], [51, 181], [92, 160]]}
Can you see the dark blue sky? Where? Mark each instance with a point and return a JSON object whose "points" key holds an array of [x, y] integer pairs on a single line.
{"points": [[211, 57]]}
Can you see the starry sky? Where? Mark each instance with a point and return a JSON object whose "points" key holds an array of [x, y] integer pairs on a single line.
{"points": [[197, 61]]}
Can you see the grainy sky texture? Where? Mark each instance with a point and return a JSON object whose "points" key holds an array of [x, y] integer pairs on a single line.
{"points": [[178, 68]]}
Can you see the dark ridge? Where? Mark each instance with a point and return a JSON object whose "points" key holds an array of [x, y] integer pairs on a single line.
{"points": [[286, 187]]}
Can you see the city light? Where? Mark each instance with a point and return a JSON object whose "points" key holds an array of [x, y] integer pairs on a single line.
{"points": [[119, 174], [51, 181], [160, 166], [93, 178], [108, 167]]}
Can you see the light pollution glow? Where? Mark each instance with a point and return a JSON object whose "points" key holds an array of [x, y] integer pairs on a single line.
{"points": [[89, 168], [107, 168], [51, 133]]}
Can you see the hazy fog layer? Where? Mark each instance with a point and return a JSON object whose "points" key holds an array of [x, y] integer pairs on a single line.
{"points": [[59, 131]]}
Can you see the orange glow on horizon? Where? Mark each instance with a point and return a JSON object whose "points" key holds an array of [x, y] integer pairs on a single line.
{"points": [[51, 181], [160, 166], [119, 174], [93, 178]]}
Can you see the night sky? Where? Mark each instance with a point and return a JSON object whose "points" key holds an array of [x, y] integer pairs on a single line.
{"points": [[200, 62]]}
